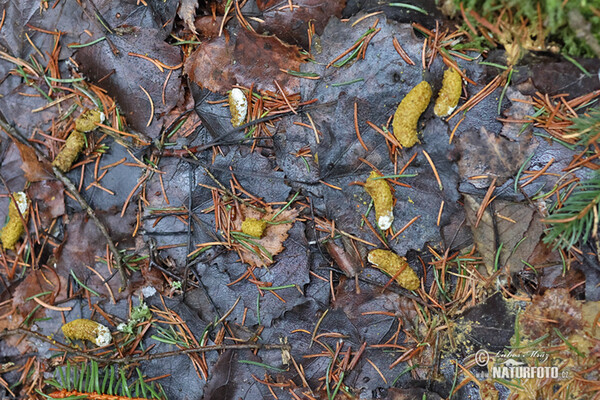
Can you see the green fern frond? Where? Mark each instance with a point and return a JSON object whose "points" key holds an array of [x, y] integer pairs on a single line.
{"points": [[87, 381], [576, 219]]}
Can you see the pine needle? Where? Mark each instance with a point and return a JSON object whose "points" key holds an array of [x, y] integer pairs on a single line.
{"points": [[576, 219]]}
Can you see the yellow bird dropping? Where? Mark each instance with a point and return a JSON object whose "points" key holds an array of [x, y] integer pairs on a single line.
{"points": [[408, 113], [87, 121], [86, 329], [254, 227], [238, 107], [76, 141], [449, 93], [380, 192], [391, 264], [14, 228]]}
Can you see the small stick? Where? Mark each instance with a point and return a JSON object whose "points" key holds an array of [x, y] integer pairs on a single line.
{"points": [[145, 357]]}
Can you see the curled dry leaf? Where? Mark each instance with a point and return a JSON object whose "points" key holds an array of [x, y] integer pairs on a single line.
{"points": [[244, 58], [272, 239], [187, 12]]}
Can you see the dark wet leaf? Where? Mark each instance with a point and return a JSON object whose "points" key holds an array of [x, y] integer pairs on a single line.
{"points": [[232, 379], [553, 76], [207, 26], [49, 198], [241, 57], [83, 243], [484, 152], [409, 394], [398, 13], [124, 75], [18, 102], [119, 180], [292, 26], [517, 227], [40, 281], [290, 268], [377, 85], [222, 383], [488, 325], [11, 168]]}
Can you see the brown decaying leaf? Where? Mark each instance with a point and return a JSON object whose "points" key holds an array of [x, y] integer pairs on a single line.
{"points": [[244, 58], [187, 12], [83, 243], [521, 225], [35, 169], [273, 237], [346, 261], [485, 153], [292, 26], [207, 26], [50, 199], [37, 282]]}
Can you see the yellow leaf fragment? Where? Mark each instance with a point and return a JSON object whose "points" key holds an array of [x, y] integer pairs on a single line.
{"points": [[408, 112], [85, 329], [449, 93], [254, 227], [391, 264], [380, 192], [14, 228]]}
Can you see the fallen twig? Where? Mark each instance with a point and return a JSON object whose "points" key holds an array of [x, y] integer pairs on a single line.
{"points": [[145, 357]]}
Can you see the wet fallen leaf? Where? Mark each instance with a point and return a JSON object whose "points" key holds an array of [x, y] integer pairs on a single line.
{"points": [[241, 57], [485, 153], [40, 281], [123, 74], [515, 226], [291, 26], [273, 237], [34, 168], [82, 245], [49, 199], [409, 394]]}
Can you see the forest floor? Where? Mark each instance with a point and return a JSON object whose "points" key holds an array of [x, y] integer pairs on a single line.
{"points": [[142, 228]]}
